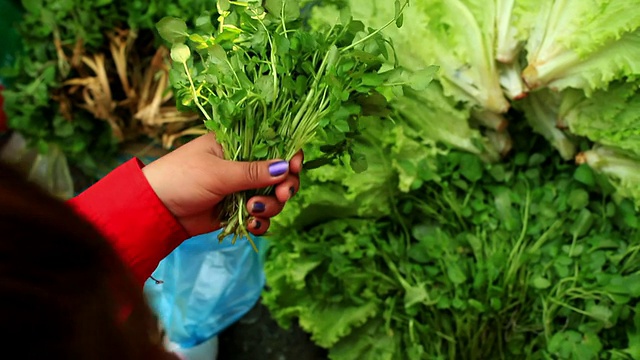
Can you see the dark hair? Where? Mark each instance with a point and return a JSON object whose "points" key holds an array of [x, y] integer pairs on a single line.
{"points": [[64, 292]]}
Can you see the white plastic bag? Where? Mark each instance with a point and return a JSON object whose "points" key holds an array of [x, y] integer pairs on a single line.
{"points": [[50, 170]]}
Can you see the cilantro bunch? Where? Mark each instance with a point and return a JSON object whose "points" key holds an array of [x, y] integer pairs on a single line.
{"points": [[267, 83]]}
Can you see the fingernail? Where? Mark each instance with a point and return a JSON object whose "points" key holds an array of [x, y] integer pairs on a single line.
{"points": [[292, 191], [257, 224], [258, 207], [278, 168]]}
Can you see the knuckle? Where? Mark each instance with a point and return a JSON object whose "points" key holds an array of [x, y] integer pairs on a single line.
{"points": [[253, 172]]}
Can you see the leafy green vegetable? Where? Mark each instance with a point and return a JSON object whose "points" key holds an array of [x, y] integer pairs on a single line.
{"points": [[457, 121], [500, 261], [267, 86], [610, 117], [621, 168], [583, 44], [460, 258], [456, 35], [514, 20], [337, 191], [513, 26], [437, 117]]}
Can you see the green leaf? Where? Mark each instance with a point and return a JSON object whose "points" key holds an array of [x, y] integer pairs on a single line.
{"points": [[583, 223], [180, 53], [327, 324], [415, 295], [541, 282], [471, 167], [204, 24], [578, 199], [358, 162], [370, 341], [32, 6], [223, 5], [172, 29], [455, 274], [63, 127], [289, 8], [342, 125], [265, 87], [282, 44], [584, 174], [317, 163], [217, 55], [372, 79], [477, 305], [573, 251], [399, 16], [260, 151], [600, 313], [421, 79]]}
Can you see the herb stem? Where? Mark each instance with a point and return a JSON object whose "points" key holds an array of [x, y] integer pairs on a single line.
{"points": [[195, 93], [366, 38]]}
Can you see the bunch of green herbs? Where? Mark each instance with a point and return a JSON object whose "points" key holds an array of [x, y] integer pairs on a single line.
{"points": [[267, 83]]}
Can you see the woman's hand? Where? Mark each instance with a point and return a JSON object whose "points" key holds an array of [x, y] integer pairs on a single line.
{"points": [[192, 180]]}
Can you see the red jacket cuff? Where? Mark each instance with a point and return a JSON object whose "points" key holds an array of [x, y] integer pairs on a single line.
{"points": [[126, 210]]}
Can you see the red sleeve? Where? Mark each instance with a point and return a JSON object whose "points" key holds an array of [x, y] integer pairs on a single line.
{"points": [[127, 211]]}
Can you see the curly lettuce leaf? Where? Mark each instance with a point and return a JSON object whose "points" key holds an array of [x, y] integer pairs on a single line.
{"points": [[328, 324], [336, 191], [456, 35], [434, 116], [413, 160], [620, 167], [610, 117], [371, 341], [514, 19], [308, 293], [583, 44], [399, 159]]}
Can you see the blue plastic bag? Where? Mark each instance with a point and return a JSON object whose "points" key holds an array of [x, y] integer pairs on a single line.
{"points": [[205, 287]]}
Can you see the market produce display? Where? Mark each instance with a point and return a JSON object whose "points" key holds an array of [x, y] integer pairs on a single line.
{"points": [[93, 75], [471, 187], [545, 56], [471, 239], [530, 258]]}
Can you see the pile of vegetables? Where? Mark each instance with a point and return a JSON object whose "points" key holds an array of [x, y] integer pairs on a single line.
{"points": [[92, 77], [530, 258], [570, 66], [498, 217]]}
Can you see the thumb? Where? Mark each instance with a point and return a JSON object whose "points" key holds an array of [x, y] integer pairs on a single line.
{"points": [[239, 176]]}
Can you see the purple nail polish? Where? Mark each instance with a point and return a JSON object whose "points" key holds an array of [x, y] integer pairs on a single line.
{"points": [[278, 168], [257, 224], [258, 207]]}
